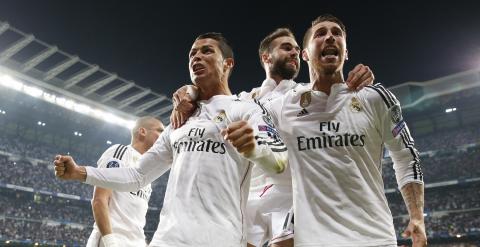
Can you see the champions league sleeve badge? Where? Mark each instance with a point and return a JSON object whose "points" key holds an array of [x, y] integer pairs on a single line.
{"points": [[355, 105], [397, 119], [113, 164], [396, 114]]}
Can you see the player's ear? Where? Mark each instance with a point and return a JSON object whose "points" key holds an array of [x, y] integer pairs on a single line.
{"points": [[228, 64], [142, 131], [265, 58], [305, 55]]}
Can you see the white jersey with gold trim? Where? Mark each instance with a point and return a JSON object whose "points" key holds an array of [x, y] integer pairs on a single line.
{"points": [[270, 198], [335, 148], [265, 93], [207, 189], [127, 210]]}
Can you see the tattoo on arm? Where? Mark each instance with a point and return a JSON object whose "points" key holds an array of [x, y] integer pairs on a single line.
{"points": [[413, 196]]}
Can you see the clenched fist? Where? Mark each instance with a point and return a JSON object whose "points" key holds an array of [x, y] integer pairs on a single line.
{"points": [[67, 169], [240, 135]]}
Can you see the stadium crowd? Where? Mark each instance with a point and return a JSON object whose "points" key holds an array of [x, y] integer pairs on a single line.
{"points": [[71, 225]]}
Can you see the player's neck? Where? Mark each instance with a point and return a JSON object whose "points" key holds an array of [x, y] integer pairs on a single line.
{"points": [[274, 77], [220, 88], [323, 81], [139, 147]]}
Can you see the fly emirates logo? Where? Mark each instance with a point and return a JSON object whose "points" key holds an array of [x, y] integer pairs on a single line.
{"points": [[330, 137], [196, 144]]}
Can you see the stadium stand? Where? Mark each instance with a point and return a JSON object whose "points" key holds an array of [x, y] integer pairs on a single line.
{"points": [[37, 208]]}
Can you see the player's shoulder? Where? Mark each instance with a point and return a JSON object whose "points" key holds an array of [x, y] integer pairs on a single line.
{"points": [[249, 95], [295, 94], [378, 94], [116, 151], [243, 104]]}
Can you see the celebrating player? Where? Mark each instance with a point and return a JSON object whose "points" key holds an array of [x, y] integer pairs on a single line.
{"points": [[335, 140], [120, 216], [270, 198], [210, 158]]}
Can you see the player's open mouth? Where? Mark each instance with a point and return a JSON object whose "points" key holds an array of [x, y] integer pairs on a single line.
{"points": [[330, 52], [293, 62], [198, 68]]}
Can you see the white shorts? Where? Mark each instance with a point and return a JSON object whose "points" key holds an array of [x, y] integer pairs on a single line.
{"points": [[267, 211], [95, 240]]}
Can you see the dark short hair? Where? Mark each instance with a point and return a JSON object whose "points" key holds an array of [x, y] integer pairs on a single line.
{"points": [[265, 45], [223, 44], [322, 18]]}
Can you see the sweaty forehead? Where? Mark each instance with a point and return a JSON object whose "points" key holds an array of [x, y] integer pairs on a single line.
{"points": [[204, 42], [325, 24], [284, 40]]}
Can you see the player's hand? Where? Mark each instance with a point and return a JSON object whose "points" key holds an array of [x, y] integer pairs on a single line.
{"points": [[183, 105], [416, 231], [66, 168], [240, 135], [360, 77]]}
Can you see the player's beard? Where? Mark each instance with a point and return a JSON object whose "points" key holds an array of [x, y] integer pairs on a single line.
{"points": [[281, 69]]}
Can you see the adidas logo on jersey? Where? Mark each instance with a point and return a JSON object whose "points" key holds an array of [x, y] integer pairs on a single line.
{"points": [[303, 112]]}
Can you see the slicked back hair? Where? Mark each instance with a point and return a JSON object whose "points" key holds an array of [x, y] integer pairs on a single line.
{"points": [[266, 43], [322, 18]]}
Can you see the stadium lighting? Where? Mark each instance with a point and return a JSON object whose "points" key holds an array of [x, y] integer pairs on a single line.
{"points": [[32, 91], [109, 142], [36, 244], [459, 236], [448, 110], [76, 133], [40, 123], [7, 242], [9, 82]]}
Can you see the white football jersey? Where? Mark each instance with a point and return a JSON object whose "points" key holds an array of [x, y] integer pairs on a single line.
{"points": [[127, 209], [207, 189], [265, 93], [335, 146]]}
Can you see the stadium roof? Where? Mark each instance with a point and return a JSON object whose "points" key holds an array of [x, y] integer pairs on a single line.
{"points": [[42, 65], [411, 94]]}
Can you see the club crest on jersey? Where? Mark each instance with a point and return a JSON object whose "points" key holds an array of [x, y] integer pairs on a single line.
{"points": [[113, 164], [220, 117], [306, 99], [355, 105], [396, 114]]}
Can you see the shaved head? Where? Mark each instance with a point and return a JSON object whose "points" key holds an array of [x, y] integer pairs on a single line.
{"points": [[145, 133], [147, 122]]}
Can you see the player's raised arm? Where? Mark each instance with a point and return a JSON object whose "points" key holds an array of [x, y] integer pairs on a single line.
{"points": [[256, 138], [153, 164], [183, 105]]}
